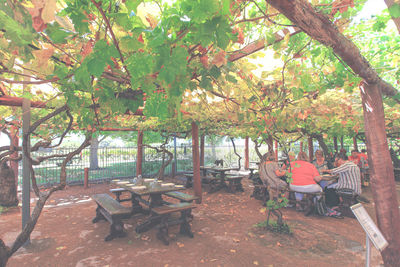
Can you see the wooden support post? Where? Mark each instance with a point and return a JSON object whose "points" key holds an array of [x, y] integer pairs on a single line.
{"points": [[355, 146], [202, 150], [276, 150], [26, 173], [86, 178], [139, 156], [196, 162], [310, 149], [335, 144], [14, 144], [246, 153]]}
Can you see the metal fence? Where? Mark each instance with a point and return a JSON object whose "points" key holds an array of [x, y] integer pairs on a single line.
{"points": [[120, 162]]}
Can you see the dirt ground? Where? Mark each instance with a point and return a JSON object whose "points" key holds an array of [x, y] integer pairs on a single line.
{"points": [[224, 235]]}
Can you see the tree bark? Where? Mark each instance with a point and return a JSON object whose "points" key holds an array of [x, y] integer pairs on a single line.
{"points": [[335, 146], [237, 154], [202, 150], [355, 146], [256, 148], [8, 191], [310, 148], [382, 175], [270, 143], [94, 159]]}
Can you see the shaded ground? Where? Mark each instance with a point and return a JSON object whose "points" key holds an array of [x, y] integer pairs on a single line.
{"points": [[224, 236]]}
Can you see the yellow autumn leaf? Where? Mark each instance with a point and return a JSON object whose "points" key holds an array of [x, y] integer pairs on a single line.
{"points": [[49, 11], [42, 57]]}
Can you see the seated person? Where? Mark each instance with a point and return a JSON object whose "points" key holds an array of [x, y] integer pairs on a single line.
{"points": [[321, 164], [349, 175], [304, 177], [270, 172], [354, 157]]}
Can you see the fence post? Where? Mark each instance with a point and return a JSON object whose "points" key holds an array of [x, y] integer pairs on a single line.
{"points": [[86, 178]]}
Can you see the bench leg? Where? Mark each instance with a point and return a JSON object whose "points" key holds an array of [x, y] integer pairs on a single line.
{"points": [[148, 224], [116, 230], [185, 226], [99, 216], [162, 233], [118, 196]]}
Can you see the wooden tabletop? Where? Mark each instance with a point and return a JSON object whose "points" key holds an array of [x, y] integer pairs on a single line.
{"points": [[328, 177], [218, 168], [146, 187]]}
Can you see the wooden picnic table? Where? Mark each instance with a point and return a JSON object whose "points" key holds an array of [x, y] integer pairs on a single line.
{"points": [[148, 187], [218, 172]]}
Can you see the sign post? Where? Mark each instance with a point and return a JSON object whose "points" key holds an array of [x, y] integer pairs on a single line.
{"points": [[373, 233]]}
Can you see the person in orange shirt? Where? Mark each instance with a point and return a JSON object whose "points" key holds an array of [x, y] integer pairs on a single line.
{"points": [[355, 157], [304, 177]]}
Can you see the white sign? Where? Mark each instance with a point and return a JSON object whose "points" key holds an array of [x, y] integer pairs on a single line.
{"points": [[369, 226]]}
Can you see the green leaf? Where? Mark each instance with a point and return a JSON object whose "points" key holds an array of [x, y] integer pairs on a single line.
{"points": [[270, 37], [394, 10], [56, 33], [96, 66], [215, 72], [15, 31]]}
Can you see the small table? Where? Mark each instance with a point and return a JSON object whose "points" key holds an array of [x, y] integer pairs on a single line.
{"points": [[218, 170], [252, 169]]}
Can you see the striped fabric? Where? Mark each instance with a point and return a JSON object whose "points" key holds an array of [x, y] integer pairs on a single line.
{"points": [[349, 176]]}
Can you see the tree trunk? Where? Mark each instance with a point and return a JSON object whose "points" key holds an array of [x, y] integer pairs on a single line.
{"points": [[355, 146], [301, 146], [94, 159], [310, 149], [335, 146], [4, 254], [270, 143], [237, 154], [341, 142], [8, 190], [256, 148], [382, 175]]}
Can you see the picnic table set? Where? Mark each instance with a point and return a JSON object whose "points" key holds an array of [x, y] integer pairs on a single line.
{"points": [[217, 178], [158, 211]]}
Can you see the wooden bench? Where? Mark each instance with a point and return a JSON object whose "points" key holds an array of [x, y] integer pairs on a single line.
{"points": [[117, 192], [234, 183], [164, 212], [307, 202], [348, 198], [111, 210], [183, 197]]}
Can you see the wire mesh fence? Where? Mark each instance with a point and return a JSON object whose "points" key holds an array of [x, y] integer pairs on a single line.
{"points": [[120, 162]]}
